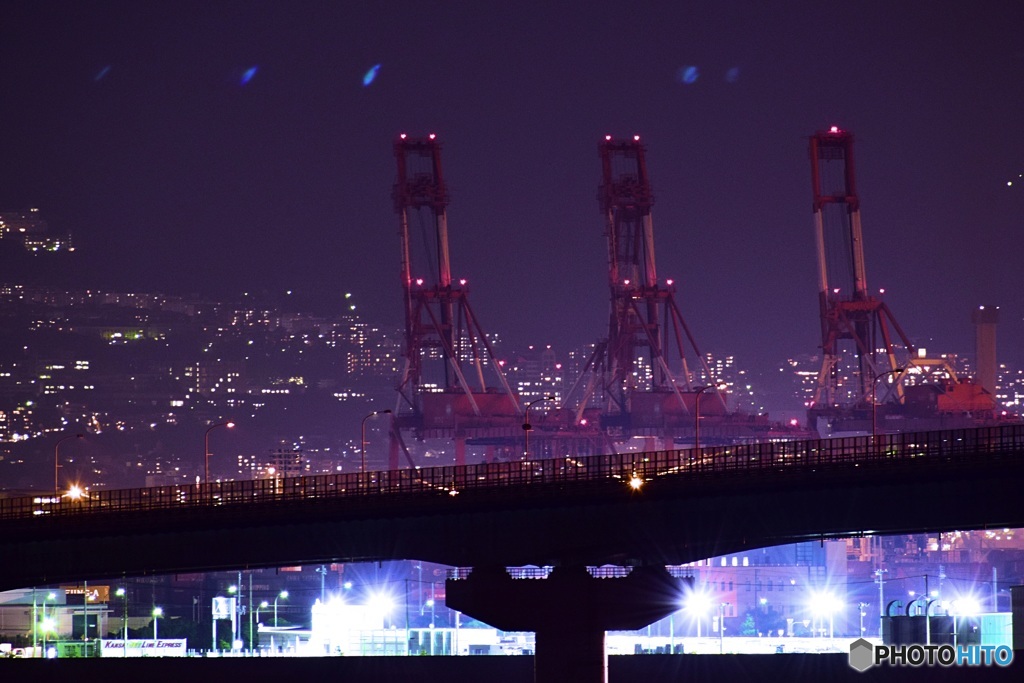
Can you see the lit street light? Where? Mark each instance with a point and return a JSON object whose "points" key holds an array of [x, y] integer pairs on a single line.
{"points": [[698, 605], [362, 437], [263, 605], [236, 616], [283, 595], [874, 387], [49, 623], [56, 461], [122, 593], [721, 627], [157, 613], [527, 427], [206, 447], [696, 411], [826, 603], [962, 607]]}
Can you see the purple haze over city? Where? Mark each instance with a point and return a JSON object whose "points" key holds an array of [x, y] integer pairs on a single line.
{"points": [[230, 147]]}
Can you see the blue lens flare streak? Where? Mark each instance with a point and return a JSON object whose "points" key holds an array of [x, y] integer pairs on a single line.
{"points": [[371, 75]]}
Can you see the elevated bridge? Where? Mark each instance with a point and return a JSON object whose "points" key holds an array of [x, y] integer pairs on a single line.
{"points": [[651, 508], [646, 510]]}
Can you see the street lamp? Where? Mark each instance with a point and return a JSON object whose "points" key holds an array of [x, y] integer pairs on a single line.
{"points": [[721, 627], [826, 603], [874, 387], [122, 593], [206, 446], [235, 590], [696, 412], [263, 605], [962, 607], [284, 595], [157, 613], [49, 623], [56, 460], [527, 427], [698, 604], [362, 437]]}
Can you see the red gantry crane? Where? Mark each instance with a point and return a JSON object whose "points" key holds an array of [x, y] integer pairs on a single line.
{"points": [[856, 339], [865, 354], [442, 392], [640, 370]]}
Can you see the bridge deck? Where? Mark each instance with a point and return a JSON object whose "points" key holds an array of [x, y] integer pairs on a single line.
{"points": [[967, 446], [665, 507]]}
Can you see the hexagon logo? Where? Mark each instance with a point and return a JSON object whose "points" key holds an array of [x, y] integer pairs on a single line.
{"points": [[862, 655]]}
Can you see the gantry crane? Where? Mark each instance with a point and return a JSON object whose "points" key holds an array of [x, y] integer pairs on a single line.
{"points": [[640, 369], [857, 339], [861, 342], [442, 391]]}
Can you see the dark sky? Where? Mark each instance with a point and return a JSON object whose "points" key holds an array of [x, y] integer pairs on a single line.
{"points": [[130, 125]]}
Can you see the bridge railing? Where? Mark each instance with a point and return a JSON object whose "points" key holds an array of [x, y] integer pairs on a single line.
{"points": [[750, 459]]}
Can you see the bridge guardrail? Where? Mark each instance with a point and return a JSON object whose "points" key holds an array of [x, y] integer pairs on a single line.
{"points": [[795, 456]]}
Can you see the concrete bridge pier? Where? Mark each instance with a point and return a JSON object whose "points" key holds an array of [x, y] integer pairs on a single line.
{"points": [[569, 611]]}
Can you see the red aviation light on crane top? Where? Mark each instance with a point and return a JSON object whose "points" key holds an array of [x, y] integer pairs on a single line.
{"points": [[402, 136], [636, 138], [834, 129], [432, 136], [608, 138]]}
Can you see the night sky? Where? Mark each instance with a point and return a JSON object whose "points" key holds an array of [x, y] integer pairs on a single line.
{"points": [[225, 147]]}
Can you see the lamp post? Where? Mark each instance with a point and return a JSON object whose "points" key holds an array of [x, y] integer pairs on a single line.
{"points": [[527, 427], [235, 591], [206, 447], [282, 594], [721, 627], [157, 613], [962, 607], [696, 412], [263, 605], [49, 623], [826, 603], [35, 624], [880, 573], [322, 571], [874, 410], [56, 460], [362, 437], [123, 594], [697, 604]]}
